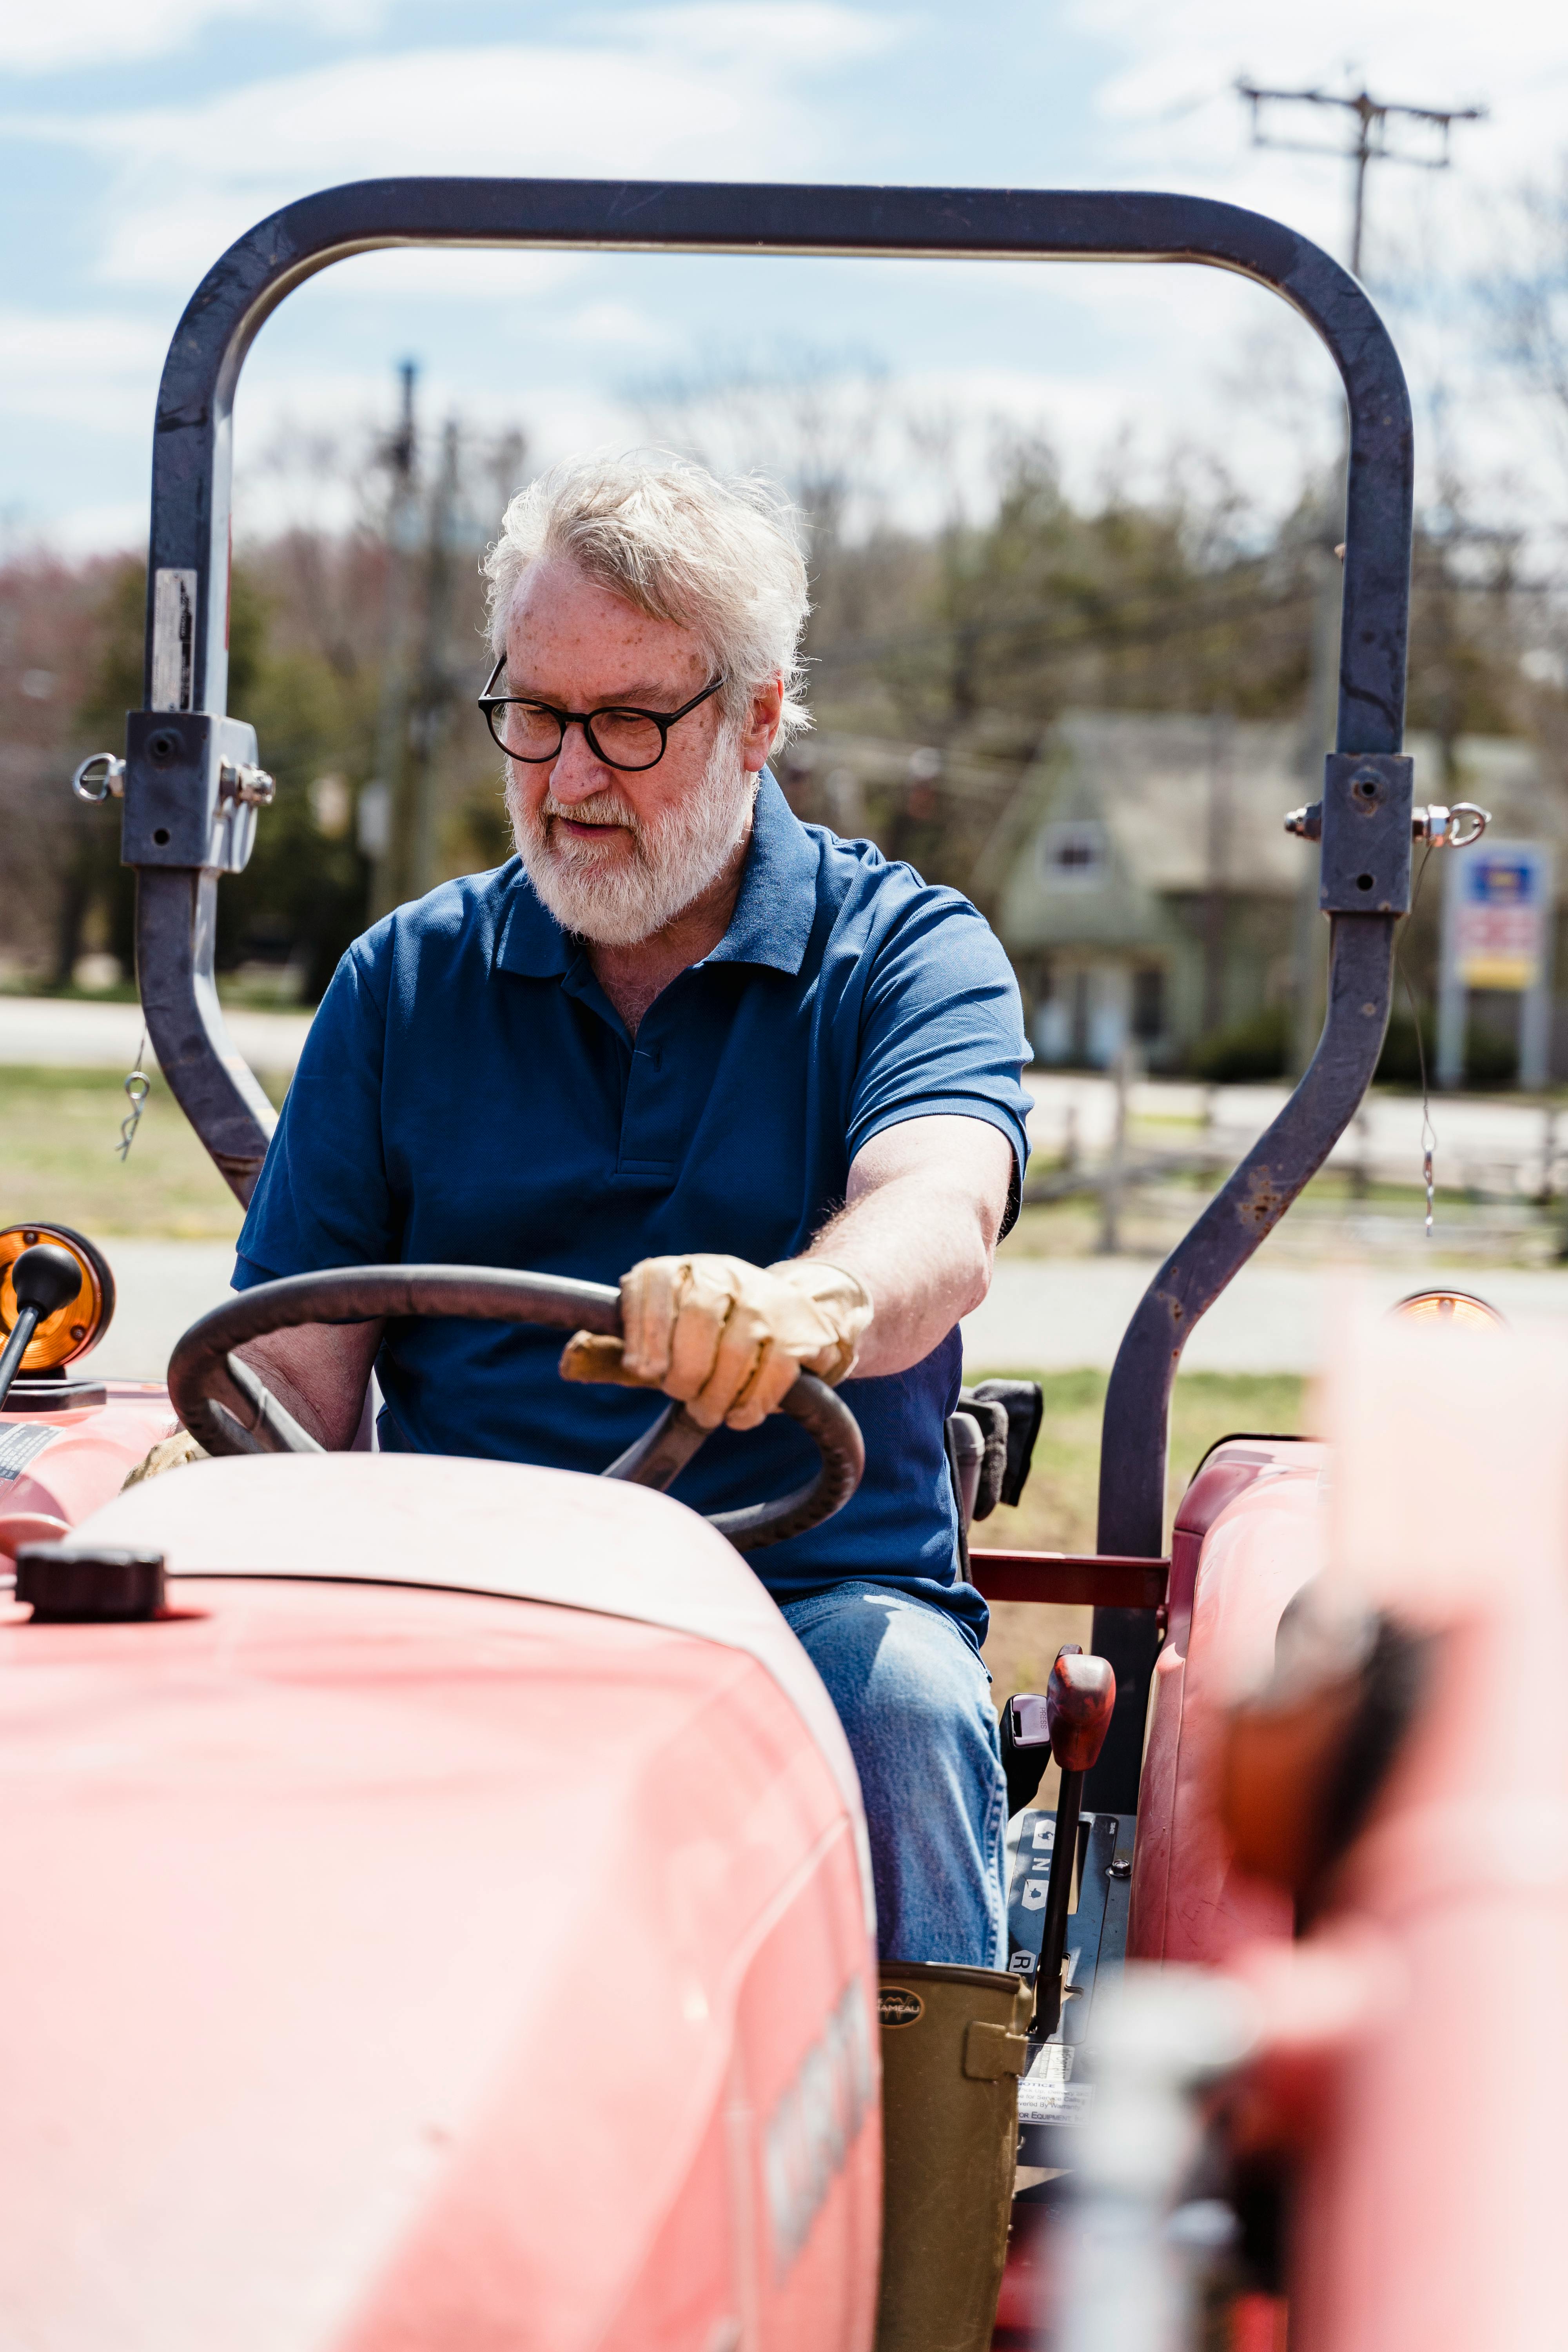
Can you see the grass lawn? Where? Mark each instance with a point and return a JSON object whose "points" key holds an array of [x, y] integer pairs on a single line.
{"points": [[1057, 1511], [59, 1159]]}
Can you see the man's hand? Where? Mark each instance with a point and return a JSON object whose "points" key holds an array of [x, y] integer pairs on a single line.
{"points": [[728, 1339], [915, 1238], [169, 1453]]}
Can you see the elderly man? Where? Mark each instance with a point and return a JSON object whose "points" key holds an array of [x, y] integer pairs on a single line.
{"points": [[763, 1078]]}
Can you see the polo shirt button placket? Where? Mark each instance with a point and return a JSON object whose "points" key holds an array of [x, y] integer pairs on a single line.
{"points": [[649, 1142]]}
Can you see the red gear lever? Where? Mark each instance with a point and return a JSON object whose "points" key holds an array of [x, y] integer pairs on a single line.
{"points": [[1079, 1699]]}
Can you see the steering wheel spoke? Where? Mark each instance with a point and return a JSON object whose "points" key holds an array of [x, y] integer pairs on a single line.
{"points": [[225, 1404], [221, 1431], [274, 1424], [659, 1456]]}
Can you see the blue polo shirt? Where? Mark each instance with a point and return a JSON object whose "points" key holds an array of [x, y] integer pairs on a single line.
{"points": [[468, 1094]]}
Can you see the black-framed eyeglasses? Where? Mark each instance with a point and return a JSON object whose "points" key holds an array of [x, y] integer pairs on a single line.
{"points": [[621, 737]]}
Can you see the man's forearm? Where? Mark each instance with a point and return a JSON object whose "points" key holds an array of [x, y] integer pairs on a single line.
{"points": [[918, 1251], [320, 1373], [920, 1230]]}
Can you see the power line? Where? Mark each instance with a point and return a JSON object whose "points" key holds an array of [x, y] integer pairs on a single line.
{"points": [[1370, 137]]}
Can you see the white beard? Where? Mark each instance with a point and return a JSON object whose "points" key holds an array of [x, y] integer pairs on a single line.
{"points": [[675, 856]]}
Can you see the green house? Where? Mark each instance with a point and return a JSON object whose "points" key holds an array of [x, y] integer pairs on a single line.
{"points": [[1144, 886]]}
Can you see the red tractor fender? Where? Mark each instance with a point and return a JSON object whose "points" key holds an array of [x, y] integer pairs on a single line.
{"points": [[1248, 1534]]}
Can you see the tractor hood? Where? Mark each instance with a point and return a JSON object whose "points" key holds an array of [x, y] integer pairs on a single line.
{"points": [[398, 1926], [466, 1525]]}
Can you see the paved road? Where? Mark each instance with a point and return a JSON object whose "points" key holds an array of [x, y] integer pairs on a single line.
{"points": [[1042, 1314], [162, 1288], [70, 1032], [1058, 1314]]}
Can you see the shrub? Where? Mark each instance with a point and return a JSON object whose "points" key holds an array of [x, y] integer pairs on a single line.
{"points": [[1258, 1048], [1399, 1064]]}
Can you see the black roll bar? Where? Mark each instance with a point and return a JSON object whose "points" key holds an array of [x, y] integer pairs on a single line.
{"points": [[184, 826]]}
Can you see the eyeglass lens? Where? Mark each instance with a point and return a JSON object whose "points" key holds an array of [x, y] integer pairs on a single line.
{"points": [[624, 738]]}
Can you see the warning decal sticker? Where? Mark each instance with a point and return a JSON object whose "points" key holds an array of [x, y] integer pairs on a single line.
{"points": [[1047, 2094], [19, 1446]]}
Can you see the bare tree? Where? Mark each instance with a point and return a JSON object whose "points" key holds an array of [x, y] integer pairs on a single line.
{"points": [[1525, 296]]}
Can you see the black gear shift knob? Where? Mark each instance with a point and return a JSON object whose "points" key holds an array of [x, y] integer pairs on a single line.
{"points": [[45, 1277]]}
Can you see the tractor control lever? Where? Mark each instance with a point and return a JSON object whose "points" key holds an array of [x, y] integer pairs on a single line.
{"points": [[1026, 1747], [1079, 1698], [45, 1279]]}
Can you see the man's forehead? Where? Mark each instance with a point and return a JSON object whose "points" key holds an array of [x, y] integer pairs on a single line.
{"points": [[571, 627], [555, 599]]}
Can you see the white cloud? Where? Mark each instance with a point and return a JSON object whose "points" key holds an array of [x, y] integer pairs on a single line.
{"points": [[100, 530], [619, 327], [1170, 109], [101, 32], [704, 90], [96, 370], [809, 35], [183, 183], [1171, 118], [783, 88]]}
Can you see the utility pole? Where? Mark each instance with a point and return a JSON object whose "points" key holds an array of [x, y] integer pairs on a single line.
{"points": [[1216, 897], [1370, 119], [1368, 139], [1309, 957], [413, 828], [381, 799]]}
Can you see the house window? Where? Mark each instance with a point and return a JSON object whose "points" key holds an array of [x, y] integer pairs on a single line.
{"points": [[1149, 1003], [1073, 853]]}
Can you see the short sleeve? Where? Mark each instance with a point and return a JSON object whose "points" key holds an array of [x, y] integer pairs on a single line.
{"points": [[323, 1199], [942, 1029]]}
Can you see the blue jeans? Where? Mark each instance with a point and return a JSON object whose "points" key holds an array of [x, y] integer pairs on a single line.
{"points": [[914, 1701]]}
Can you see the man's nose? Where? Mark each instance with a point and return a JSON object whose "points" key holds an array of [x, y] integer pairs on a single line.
{"points": [[577, 775]]}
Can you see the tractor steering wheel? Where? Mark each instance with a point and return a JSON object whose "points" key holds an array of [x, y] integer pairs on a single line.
{"points": [[227, 1409]]}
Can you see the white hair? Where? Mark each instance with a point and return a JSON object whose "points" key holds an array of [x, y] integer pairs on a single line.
{"points": [[720, 558]]}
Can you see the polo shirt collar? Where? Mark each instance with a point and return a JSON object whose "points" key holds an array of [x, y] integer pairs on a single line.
{"points": [[531, 940], [777, 902], [771, 924]]}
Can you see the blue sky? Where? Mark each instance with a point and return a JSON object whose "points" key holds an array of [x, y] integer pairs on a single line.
{"points": [[142, 136]]}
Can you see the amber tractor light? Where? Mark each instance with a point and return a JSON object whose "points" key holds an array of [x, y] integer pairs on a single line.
{"points": [[67, 1331], [1458, 1308]]}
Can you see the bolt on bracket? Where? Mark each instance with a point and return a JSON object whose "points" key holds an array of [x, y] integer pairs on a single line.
{"points": [[1366, 833], [100, 778], [1458, 827]]}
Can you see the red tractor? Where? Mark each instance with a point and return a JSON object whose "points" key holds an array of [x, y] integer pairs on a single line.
{"points": [[439, 1913]]}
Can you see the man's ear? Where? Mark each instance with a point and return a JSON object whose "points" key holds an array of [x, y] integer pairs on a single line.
{"points": [[761, 724]]}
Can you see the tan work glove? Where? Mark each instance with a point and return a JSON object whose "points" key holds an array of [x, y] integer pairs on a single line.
{"points": [[169, 1453], [728, 1339]]}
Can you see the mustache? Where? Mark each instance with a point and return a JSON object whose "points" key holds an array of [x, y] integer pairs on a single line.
{"points": [[603, 808], [676, 851]]}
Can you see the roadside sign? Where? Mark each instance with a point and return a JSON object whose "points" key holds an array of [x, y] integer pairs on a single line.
{"points": [[1500, 907], [1499, 913]]}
